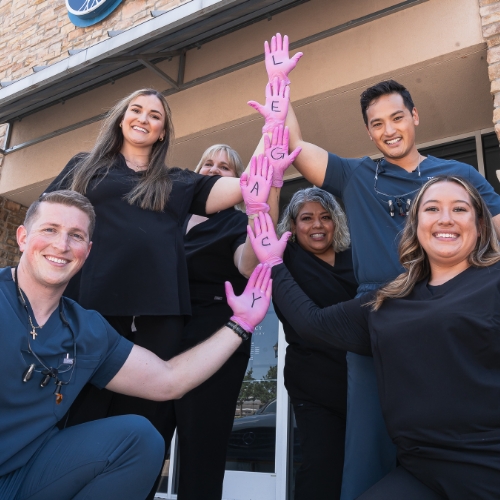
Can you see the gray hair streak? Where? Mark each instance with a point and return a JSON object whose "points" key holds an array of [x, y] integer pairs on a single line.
{"points": [[341, 236]]}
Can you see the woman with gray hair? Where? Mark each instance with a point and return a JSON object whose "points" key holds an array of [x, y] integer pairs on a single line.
{"points": [[319, 259]]}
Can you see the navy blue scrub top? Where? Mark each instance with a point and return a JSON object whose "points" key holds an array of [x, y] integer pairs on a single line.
{"points": [[374, 233], [29, 413]]}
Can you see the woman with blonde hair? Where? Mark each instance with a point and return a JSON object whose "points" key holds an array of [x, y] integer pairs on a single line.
{"points": [[136, 274], [217, 250], [434, 335]]}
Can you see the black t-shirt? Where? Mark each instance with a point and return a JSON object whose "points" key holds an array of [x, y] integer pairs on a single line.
{"points": [[437, 363], [314, 373], [210, 248], [137, 264]]}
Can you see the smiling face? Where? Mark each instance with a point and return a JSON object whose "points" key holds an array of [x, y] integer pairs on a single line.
{"points": [[55, 245], [143, 122], [218, 164], [447, 225], [391, 126], [314, 229]]}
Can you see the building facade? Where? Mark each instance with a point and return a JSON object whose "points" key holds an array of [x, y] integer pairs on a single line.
{"points": [[58, 78]]}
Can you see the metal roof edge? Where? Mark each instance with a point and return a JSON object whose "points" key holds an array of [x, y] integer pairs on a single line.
{"points": [[173, 19]]}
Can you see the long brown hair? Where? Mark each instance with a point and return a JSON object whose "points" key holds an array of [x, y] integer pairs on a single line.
{"points": [[152, 191], [413, 257]]}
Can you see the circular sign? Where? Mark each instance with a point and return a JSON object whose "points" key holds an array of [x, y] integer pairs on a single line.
{"points": [[88, 12]]}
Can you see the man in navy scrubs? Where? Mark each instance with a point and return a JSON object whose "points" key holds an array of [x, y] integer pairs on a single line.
{"points": [[50, 348], [377, 196]]}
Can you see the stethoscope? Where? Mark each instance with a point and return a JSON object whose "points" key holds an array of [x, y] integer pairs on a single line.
{"points": [[402, 201], [49, 372]]}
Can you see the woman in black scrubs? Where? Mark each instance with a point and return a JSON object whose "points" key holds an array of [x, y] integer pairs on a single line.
{"points": [[319, 259], [434, 333], [136, 274], [217, 250]]}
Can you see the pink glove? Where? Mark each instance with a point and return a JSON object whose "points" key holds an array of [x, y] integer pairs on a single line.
{"points": [[276, 108], [256, 186], [278, 64], [276, 150], [251, 306], [268, 249]]}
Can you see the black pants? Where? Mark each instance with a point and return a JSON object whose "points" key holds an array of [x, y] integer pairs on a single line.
{"points": [[322, 438], [205, 415], [161, 335], [400, 485], [205, 418]]}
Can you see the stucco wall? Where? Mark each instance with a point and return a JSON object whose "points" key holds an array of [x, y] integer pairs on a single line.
{"points": [[436, 48]]}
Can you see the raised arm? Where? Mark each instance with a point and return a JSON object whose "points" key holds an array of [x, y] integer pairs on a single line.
{"points": [[255, 184], [225, 193], [147, 376], [342, 326], [334, 326], [312, 160], [277, 58]]}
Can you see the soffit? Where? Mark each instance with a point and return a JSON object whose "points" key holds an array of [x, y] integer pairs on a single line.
{"points": [[168, 35]]}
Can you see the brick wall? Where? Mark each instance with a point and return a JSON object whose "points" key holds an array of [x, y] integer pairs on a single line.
{"points": [[490, 19], [11, 216], [39, 32]]}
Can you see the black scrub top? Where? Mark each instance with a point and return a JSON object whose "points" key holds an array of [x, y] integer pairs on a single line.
{"points": [[137, 264], [210, 248], [437, 360], [314, 373]]}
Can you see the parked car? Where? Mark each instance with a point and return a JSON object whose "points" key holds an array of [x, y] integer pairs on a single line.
{"points": [[253, 441]]}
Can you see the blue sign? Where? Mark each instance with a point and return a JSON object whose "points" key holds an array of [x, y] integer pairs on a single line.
{"points": [[88, 12]]}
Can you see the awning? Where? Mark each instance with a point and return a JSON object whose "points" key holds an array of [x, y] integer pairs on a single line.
{"points": [[168, 34]]}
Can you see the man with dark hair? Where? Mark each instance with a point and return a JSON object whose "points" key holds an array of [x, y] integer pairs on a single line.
{"points": [[51, 347], [384, 88], [377, 196]]}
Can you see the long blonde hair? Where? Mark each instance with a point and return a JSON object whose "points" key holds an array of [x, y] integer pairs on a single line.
{"points": [[413, 257], [152, 191]]}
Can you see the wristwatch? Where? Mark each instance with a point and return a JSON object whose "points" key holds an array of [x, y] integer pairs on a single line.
{"points": [[241, 332]]}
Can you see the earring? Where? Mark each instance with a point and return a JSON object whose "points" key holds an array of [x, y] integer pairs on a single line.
{"points": [[120, 124], [161, 139], [293, 238]]}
